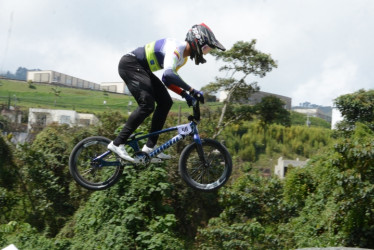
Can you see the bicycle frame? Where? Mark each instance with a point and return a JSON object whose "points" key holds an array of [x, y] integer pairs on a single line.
{"points": [[183, 130]]}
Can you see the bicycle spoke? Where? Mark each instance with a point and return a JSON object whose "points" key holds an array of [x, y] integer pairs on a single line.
{"points": [[200, 177], [209, 171], [93, 174], [206, 174], [88, 171], [194, 171]]}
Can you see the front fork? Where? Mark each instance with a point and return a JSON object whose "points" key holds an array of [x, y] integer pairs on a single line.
{"points": [[199, 147]]}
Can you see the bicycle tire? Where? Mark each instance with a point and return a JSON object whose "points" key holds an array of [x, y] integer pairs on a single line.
{"points": [[84, 170], [207, 177]]}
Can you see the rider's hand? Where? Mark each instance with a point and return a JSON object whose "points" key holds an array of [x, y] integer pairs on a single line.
{"points": [[198, 95], [189, 99]]}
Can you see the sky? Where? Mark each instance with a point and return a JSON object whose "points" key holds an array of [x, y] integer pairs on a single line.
{"points": [[323, 48]]}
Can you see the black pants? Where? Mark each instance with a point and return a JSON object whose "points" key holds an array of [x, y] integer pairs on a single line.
{"points": [[146, 89]]}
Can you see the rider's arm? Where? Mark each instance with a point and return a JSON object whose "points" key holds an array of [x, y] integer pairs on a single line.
{"points": [[174, 82], [175, 88], [170, 76]]}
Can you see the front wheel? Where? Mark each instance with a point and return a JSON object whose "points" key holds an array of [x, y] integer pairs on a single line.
{"points": [[206, 166], [89, 170]]}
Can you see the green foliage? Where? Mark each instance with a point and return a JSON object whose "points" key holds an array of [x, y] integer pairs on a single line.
{"points": [[242, 235], [250, 140], [56, 91], [301, 119], [37, 185], [8, 181], [7, 171], [298, 185], [357, 107], [23, 236], [328, 203], [242, 60], [244, 199], [250, 204], [110, 121], [339, 198], [244, 57], [271, 110], [134, 213], [30, 83], [46, 179], [4, 123]]}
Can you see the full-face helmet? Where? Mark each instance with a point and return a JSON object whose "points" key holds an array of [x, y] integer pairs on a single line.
{"points": [[201, 40]]}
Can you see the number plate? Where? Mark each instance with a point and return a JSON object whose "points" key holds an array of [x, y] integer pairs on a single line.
{"points": [[184, 129]]}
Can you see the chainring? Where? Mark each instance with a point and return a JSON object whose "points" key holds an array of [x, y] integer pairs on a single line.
{"points": [[141, 159]]}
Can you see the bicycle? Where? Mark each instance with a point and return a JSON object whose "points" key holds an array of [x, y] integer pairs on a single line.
{"points": [[205, 164]]}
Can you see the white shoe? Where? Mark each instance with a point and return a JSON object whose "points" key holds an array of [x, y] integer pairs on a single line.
{"points": [[160, 155], [120, 151]]}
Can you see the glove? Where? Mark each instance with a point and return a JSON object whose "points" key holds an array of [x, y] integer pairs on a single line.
{"points": [[198, 95], [189, 99]]}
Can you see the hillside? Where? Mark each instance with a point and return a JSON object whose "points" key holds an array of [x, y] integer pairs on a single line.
{"points": [[35, 95], [38, 95]]}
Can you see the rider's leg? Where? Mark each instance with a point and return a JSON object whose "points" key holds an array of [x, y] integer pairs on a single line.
{"points": [[139, 84], [164, 103]]}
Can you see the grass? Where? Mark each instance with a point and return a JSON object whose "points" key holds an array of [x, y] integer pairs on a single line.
{"points": [[25, 95]]}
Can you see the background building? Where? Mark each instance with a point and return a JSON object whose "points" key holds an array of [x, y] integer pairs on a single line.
{"points": [[281, 168], [256, 98], [53, 77], [115, 87], [320, 112], [39, 118]]}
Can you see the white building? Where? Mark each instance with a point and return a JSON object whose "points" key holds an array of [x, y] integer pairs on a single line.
{"points": [[313, 112], [115, 87], [281, 168], [257, 96], [50, 76], [44, 117]]}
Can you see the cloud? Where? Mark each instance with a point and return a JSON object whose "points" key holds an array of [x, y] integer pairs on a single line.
{"points": [[337, 78], [308, 38]]}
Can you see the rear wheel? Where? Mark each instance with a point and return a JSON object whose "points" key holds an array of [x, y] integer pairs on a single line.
{"points": [[94, 174], [206, 166]]}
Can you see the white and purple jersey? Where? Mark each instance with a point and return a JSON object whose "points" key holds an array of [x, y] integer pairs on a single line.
{"points": [[165, 54]]}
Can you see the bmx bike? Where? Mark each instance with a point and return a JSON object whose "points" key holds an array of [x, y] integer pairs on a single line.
{"points": [[205, 164]]}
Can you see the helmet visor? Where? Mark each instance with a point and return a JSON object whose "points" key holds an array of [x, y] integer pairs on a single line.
{"points": [[218, 45]]}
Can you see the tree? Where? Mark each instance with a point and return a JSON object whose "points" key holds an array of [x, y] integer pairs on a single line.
{"points": [[356, 107], [251, 204], [271, 110], [21, 73], [242, 60], [56, 92]]}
